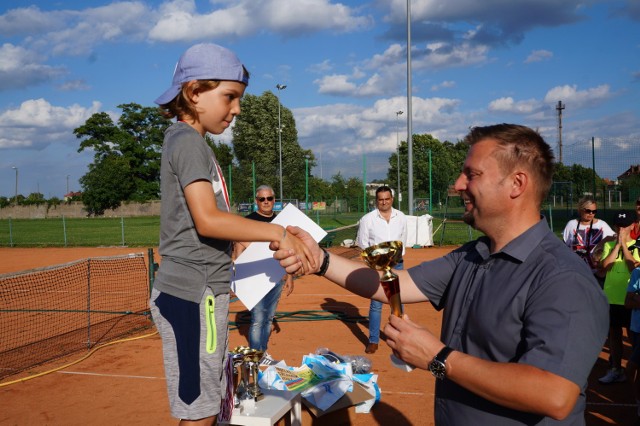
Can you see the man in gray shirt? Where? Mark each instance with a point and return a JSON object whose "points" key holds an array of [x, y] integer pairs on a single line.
{"points": [[523, 317]]}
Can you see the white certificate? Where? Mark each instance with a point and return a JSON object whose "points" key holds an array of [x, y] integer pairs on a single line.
{"points": [[256, 271]]}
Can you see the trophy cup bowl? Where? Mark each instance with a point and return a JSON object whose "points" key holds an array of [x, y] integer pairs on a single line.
{"points": [[382, 257]]}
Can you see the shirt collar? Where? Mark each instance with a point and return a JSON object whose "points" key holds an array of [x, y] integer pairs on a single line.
{"points": [[520, 247], [394, 212]]}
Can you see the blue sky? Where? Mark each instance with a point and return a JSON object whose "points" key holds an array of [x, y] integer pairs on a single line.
{"points": [[344, 64]]}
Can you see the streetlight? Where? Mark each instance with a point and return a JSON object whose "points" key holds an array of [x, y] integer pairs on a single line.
{"points": [[280, 87], [67, 185], [398, 114], [16, 169]]}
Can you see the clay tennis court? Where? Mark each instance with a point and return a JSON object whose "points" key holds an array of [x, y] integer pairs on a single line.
{"points": [[123, 383]]}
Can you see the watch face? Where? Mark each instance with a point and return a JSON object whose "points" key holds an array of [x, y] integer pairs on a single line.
{"points": [[438, 370]]}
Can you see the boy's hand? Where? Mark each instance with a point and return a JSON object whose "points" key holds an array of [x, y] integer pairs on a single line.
{"points": [[290, 259], [296, 244]]}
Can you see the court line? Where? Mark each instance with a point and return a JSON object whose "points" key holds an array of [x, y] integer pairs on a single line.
{"points": [[126, 376]]}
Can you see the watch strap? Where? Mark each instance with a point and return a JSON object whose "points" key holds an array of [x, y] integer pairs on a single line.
{"points": [[325, 264], [443, 354]]}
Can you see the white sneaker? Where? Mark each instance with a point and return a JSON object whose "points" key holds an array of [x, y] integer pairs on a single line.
{"points": [[268, 360], [614, 375]]}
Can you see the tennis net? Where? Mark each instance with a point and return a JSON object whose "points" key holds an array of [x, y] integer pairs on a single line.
{"points": [[50, 312]]}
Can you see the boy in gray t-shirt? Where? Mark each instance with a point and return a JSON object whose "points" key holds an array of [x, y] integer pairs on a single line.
{"points": [[190, 300]]}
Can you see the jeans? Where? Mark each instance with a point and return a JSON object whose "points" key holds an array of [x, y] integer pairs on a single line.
{"points": [[375, 312], [261, 317]]}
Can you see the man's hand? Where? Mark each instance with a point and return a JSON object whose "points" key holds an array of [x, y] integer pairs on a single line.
{"points": [[410, 342], [290, 258]]}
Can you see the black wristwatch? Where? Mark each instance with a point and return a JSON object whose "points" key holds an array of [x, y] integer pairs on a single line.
{"points": [[437, 364]]}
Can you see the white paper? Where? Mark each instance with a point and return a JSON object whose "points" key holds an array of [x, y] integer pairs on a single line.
{"points": [[256, 271]]}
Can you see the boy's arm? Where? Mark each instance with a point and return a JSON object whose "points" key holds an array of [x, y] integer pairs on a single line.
{"points": [[212, 222]]}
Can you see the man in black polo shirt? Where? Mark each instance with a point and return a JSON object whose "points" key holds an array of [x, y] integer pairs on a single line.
{"points": [[264, 311]]}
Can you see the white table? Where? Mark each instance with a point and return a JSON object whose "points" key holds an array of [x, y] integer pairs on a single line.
{"points": [[270, 409]]}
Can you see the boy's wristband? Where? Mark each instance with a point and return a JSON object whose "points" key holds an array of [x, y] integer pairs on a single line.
{"points": [[325, 264]]}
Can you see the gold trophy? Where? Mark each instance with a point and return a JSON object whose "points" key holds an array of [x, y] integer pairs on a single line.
{"points": [[382, 257]]}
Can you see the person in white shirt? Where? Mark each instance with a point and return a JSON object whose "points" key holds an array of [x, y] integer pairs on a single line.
{"points": [[382, 224]]}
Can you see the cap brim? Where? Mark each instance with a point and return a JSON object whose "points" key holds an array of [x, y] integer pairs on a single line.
{"points": [[168, 96]]}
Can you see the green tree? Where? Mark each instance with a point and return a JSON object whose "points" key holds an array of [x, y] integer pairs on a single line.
{"points": [[106, 184], [4, 202], [54, 201], [35, 198], [256, 143], [630, 188], [446, 163], [136, 138]]}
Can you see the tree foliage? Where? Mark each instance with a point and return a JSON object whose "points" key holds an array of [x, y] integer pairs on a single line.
{"points": [[256, 145], [106, 184], [446, 163], [137, 141]]}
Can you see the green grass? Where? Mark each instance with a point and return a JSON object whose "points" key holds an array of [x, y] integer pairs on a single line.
{"points": [[91, 232], [87, 232]]}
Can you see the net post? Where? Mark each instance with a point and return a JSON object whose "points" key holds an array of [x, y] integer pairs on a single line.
{"points": [[88, 303], [153, 267]]}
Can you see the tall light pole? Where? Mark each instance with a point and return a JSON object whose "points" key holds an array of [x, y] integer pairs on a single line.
{"points": [[306, 184], [409, 114], [398, 114], [280, 87], [16, 169], [67, 185]]}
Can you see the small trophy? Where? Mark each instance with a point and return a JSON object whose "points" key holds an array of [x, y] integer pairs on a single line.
{"points": [[382, 257], [247, 393]]}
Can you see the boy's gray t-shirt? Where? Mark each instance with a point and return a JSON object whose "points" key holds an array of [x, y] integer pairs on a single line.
{"points": [[190, 262]]}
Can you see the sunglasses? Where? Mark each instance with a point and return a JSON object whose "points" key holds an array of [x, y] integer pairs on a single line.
{"points": [[262, 199], [587, 211]]}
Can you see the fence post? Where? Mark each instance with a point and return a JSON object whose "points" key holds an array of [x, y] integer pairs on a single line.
{"points": [[122, 229], [10, 233], [64, 230]]}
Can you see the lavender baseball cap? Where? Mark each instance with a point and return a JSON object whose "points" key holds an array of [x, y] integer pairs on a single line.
{"points": [[204, 61]]}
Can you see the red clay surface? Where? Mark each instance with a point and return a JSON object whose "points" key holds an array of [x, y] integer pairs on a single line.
{"points": [[124, 383]]}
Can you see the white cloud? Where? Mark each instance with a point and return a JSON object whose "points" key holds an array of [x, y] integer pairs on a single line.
{"points": [[444, 85], [324, 66], [493, 22], [295, 16], [179, 20], [30, 21], [538, 55], [37, 123], [578, 98], [73, 85], [508, 104], [21, 68], [335, 84], [444, 55], [342, 129]]}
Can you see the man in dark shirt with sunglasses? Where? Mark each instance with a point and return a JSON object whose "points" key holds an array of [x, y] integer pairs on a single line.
{"points": [[264, 311]]}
